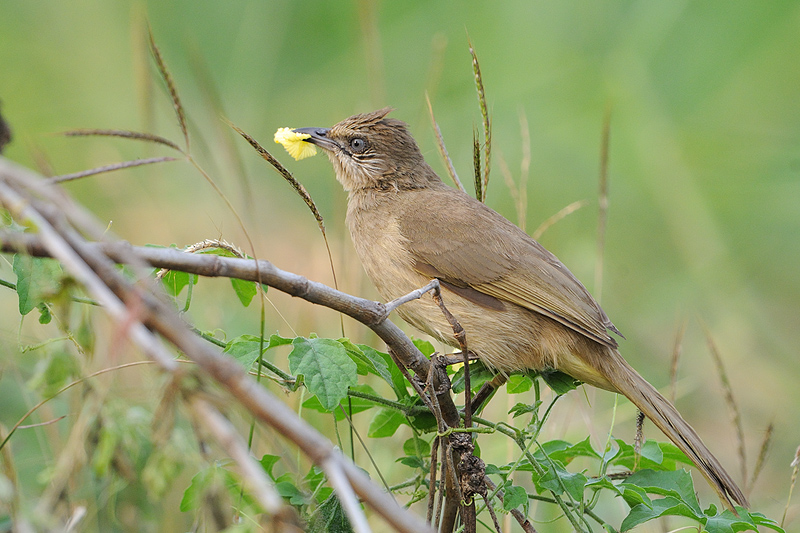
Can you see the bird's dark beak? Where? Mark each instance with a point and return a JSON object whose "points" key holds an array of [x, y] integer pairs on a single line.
{"points": [[319, 136]]}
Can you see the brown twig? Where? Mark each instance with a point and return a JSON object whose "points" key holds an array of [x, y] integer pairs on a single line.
{"points": [[433, 470], [527, 527], [263, 489], [461, 337]]}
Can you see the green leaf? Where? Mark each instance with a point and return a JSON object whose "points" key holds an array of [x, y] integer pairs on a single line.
{"points": [[523, 408], [54, 372], [423, 346], [518, 383], [38, 280], [350, 405], [277, 340], [174, 281], [331, 518], [385, 423], [193, 495], [44, 314], [327, 368], [727, 522], [581, 449], [668, 459], [268, 463], [493, 469], [410, 447], [478, 375], [203, 482], [652, 451], [603, 483], [245, 349], [558, 479], [367, 362], [398, 381], [676, 484], [290, 492], [560, 382], [663, 507], [315, 476], [634, 495], [412, 462], [514, 496], [245, 290]]}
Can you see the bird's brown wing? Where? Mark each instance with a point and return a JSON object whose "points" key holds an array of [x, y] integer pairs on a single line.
{"points": [[469, 246]]}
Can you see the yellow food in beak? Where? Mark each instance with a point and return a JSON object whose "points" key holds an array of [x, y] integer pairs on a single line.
{"points": [[295, 144]]}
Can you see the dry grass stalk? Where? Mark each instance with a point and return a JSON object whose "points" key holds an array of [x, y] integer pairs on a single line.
{"points": [[733, 408], [763, 451], [795, 468], [451, 170], [487, 126], [677, 350], [296, 185], [602, 212], [173, 92], [480, 194], [136, 135], [109, 168], [568, 210]]}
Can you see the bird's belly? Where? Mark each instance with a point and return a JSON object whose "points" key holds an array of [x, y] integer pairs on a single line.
{"points": [[510, 339]]}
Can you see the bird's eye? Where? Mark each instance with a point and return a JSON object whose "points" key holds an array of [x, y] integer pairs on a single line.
{"points": [[358, 145]]}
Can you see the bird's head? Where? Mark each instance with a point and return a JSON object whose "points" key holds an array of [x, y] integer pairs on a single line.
{"points": [[372, 151]]}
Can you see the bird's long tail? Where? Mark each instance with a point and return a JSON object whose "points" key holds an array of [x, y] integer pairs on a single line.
{"points": [[664, 415]]}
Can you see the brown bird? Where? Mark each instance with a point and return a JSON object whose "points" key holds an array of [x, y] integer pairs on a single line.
{"points": [[520, 306]]}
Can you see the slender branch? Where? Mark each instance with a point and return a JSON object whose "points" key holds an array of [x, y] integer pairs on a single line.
{"points": [[335, 472], [141, 312], [263, 489]]}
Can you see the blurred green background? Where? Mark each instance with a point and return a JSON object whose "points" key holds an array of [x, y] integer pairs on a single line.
{"points": [[704, 219]]}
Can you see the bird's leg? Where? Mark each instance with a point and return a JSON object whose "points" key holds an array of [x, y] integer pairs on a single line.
{"points": [[457, 358], [413, 295]]}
